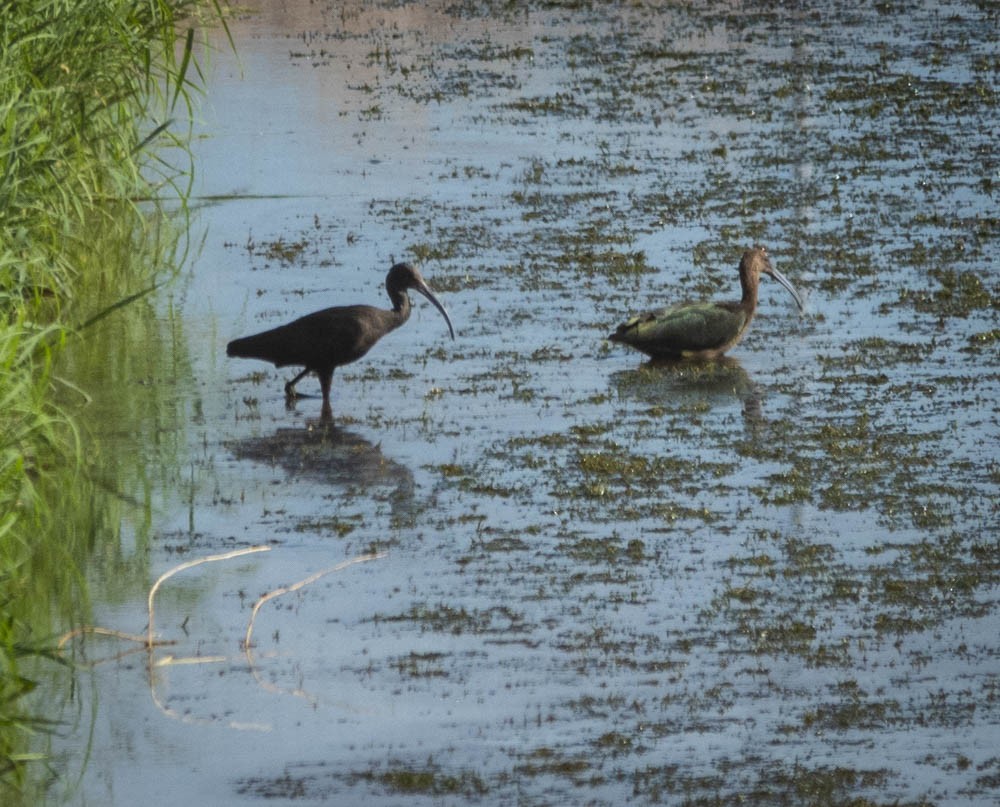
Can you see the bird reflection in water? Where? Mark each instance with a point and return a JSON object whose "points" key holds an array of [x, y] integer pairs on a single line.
{"points": [[684, 383], [334, 456]]}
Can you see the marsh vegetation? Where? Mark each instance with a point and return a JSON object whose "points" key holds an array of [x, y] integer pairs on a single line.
{"points": [[768, 580], [86, 94]]}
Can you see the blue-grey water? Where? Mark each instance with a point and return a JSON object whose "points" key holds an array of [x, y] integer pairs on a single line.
{"points": [[771, 580]]}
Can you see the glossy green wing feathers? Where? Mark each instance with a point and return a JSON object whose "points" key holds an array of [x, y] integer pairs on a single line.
{"points": [[685, 330]]}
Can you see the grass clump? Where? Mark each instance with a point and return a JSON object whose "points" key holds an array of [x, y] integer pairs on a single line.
{"points": [[88, 90]]}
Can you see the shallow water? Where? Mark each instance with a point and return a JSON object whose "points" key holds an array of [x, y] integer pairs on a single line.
{"points": [[770, 580]]}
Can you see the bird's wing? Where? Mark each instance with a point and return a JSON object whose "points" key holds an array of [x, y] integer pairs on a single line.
{"points": [[682, 329], [340, 335]]}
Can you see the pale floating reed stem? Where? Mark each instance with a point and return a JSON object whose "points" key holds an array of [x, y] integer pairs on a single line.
{"points": [[189, 564], [247, 642], [301, 584], [117, 634]]}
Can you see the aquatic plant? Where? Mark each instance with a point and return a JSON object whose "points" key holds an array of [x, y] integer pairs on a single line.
{"points": [[86, 91]]}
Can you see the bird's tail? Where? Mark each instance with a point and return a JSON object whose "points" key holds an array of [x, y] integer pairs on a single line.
{"points": [[625, 331], [258, 346]]}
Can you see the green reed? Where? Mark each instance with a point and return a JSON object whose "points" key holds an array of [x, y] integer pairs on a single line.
{"points": [[91, 92]]}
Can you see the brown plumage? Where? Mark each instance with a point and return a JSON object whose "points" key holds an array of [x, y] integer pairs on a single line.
{"points": [[324, 340], [702, 330]]}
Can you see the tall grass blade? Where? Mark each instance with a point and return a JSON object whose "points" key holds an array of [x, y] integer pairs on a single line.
{"points": [[106, 312], [181, 76], [79, 83], [152, 136]]}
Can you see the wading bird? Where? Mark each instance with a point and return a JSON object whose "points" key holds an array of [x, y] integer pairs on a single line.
{"points": [[702, 330], [324, 340]]}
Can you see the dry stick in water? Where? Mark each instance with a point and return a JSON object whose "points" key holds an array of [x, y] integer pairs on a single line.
{"points": [[247, 646], [171, 572], [117, 634], [148, 640], [301, 584], [160, 704], [150, 643], [64, 639]]}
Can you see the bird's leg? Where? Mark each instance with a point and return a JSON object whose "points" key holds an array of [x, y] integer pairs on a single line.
{"points": [[325, 380], [290, 386]]}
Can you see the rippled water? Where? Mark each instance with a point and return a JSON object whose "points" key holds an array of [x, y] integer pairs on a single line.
{"points": [[773, 579]]}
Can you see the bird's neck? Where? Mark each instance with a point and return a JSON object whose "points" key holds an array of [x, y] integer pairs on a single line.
{"points": [[749, 299], [400, 305]]}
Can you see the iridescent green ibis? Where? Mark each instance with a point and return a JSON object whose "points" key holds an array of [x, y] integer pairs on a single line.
{"points": [[702, 330], [324, 340]]}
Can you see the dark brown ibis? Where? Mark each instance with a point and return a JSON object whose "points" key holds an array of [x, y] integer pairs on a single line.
{"points": [[324, 340], [702, 330]]}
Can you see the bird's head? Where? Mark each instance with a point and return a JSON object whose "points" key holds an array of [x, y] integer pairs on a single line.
{"points": [[757, 262], [403, 276]]}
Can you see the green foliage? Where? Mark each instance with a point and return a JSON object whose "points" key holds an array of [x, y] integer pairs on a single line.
{"points": [[87, 89], [78, 82]]}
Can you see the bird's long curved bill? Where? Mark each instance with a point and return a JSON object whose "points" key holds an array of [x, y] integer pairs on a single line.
{"points": [[425, 290], [784, 281]]}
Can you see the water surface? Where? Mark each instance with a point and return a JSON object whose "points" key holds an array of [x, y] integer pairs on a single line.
{"points": [[769, 580]]}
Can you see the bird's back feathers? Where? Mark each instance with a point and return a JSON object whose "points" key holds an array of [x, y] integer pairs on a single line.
{"points": [[686, 330]]}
